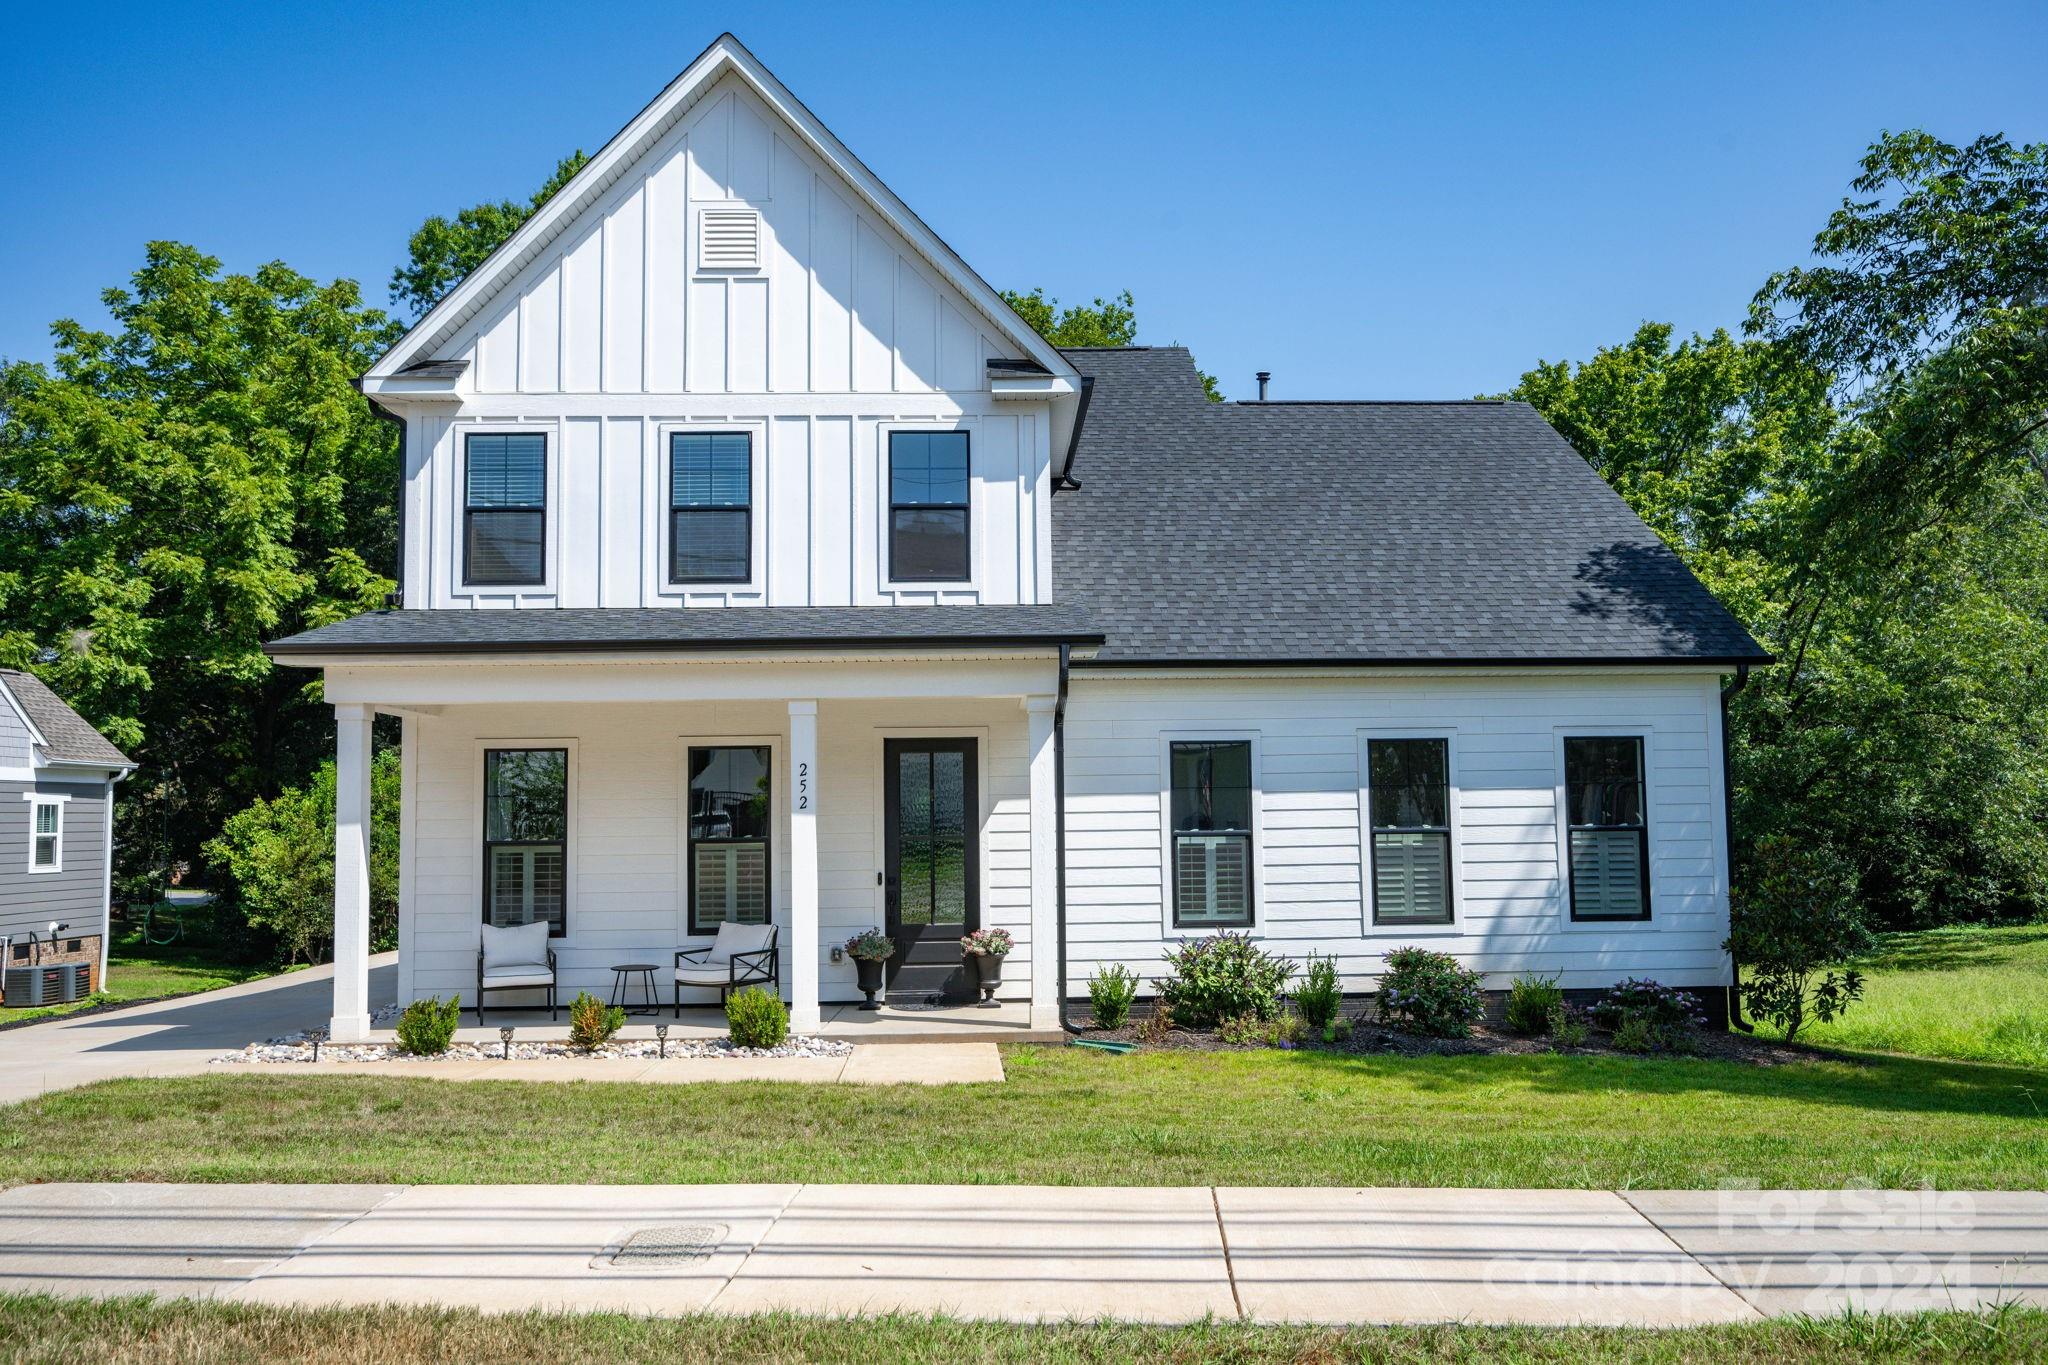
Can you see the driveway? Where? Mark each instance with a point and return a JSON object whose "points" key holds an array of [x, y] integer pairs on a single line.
{"points": [[173, 1037]]}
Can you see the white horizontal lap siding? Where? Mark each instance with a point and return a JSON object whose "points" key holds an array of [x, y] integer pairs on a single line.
{"points": [[1512, 913], [613, 337]]}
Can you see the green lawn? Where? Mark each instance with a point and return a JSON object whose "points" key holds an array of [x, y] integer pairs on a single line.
{"points": [[1976, 993], [1069, 1116], [65, 1330], [136, 970]]}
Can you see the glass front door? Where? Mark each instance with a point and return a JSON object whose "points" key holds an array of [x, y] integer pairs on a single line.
{"points": [[931, 836]]}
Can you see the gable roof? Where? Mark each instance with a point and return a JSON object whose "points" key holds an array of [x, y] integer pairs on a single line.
{"points": [[60, 732], [725, 56], [1357, 533]]}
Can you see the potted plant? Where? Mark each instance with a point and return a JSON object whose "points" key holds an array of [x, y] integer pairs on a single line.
{"points": [[869, 949], [986, 949]]}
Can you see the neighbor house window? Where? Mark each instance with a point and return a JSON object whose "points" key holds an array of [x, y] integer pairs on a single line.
{"points": [[1212, 833], [1609, 837], [505, 509], [1409, 797], [730, 818], [928, 506], [710, 507], [46, 837], [526, 837]]}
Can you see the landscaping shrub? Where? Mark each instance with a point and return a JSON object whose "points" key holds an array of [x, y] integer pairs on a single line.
{"points": [[1795, 912], [1110, 994], [592, 1022], [1220, 976], [1285, 1029], [1429, 993], [1320, 994], [1636, 1034], [1530, 1001], [1154, 1027], [754, 1018], [428, 1026], [1567, 1025], [1664, 1008]]}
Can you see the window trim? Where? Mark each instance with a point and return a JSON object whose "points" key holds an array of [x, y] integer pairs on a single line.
{"points": [[551, 463], [667, 463], [885, 497], [36, 801], [1169, 900], [687, 879], [1644, 735], [1454, 794], [570, 839]]}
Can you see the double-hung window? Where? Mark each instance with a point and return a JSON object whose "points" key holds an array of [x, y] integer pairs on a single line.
{"points": [[929, 507], [505, 509], [526, 837], [1409, 798], [46, 836], [1608, 836], [710, 507], [1212, 833], [731, 814]]}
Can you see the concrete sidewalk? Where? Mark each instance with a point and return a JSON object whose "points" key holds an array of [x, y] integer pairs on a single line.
{"points": [[1040, 1253]]}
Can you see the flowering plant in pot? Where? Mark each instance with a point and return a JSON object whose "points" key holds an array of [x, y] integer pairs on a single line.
{"points": [[869, 949], [986, 949]]}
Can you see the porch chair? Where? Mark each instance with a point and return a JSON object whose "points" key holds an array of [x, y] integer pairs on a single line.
{"points": [[741, 955], [515, 958]]}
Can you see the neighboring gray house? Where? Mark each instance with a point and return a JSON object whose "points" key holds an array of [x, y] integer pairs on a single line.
{"points": [[57, 777]]}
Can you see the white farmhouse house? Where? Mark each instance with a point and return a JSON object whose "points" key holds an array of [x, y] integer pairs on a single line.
{"points": [[762, 566]]}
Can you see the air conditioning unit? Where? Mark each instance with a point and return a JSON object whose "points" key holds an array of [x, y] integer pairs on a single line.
{"points": [[28, 987]]}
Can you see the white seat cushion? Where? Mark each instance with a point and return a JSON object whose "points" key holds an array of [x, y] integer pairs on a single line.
{"points": [[738, 938], [691, 975], [519, 975], [517, 945]]}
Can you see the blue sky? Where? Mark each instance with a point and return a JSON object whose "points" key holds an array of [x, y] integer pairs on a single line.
{"points": [[1368, 200]]}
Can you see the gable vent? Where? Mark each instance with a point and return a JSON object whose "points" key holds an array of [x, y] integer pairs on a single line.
{"points": [[728, 239]]}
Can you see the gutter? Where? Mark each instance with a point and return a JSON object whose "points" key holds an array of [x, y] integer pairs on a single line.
{"points": [[1066, 479], [1059, 839], [1728, 838]]}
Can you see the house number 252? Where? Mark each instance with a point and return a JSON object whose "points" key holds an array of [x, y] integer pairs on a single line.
{"points": [[803, 786]]}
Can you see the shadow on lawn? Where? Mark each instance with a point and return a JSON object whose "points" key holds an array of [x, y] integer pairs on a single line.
{"points": [[1942, 950]]}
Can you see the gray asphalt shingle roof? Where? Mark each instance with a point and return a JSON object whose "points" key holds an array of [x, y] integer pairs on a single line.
{"points": [[1358, 532], [656, 628], [68, 738]]}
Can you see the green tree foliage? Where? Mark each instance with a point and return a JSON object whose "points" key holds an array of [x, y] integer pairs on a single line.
{"points": [[279, 855], [175, 490], [1105, 322], [443, 252], [1794, 916]]}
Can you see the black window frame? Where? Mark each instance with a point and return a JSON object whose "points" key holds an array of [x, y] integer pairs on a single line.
{"points": [[1248, 835], [1375, 829], [1641, 828], [470, 512], [691, 841], [965, 508], [675, 440], [489, 844]]}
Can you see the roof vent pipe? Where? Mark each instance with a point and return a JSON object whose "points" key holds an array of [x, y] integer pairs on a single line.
{"points": [[1262, 377]]}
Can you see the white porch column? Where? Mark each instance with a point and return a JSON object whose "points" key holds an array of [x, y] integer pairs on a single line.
{"points": [[351, 1020], [803, 867], [1038, 712]]}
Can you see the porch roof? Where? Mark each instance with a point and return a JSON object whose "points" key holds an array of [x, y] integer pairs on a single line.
{"points": [[570, 629]]}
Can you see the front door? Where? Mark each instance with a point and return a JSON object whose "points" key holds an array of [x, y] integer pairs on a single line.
{"points": [[930, 838]]}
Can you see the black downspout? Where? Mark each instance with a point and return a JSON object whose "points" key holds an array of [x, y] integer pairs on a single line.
{"points": [[396, 598], [1728, 836], [1059, 834]]}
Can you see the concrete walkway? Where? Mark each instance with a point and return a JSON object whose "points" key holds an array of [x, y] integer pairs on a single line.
{"points": [[1039, 1253]]}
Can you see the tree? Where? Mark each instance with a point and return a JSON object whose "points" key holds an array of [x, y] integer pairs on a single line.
{"points": [[176, 490], [1105, 322], [441, 253], [1795, 915], [279, 856]]}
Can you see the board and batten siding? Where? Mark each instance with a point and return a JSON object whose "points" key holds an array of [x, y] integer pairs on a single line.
{"points": [[626, 833], [611, 339], [1310, 871], [77, 893]]}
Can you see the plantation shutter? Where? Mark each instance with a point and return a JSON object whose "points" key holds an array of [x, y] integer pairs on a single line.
{"points": [[732, 883], [1607, 874], [1411, 878], [1213, 879]]}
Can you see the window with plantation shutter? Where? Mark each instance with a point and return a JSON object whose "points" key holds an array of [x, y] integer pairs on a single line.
{"points": [[1212, 833], [731, 814], [526, 838], [505, 509], [1409, 800], [1606, 829], [711, 518]]}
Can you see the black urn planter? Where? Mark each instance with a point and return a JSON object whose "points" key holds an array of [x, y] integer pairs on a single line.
{"points": [[868, 973], [988, 969]]}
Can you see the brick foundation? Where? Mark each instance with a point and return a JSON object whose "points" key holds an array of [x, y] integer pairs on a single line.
{"points": [[69, 948]]}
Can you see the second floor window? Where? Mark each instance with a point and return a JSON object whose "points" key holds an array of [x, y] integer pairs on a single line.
{"points": [[710, 507], [928, 507], [505, 509]]}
